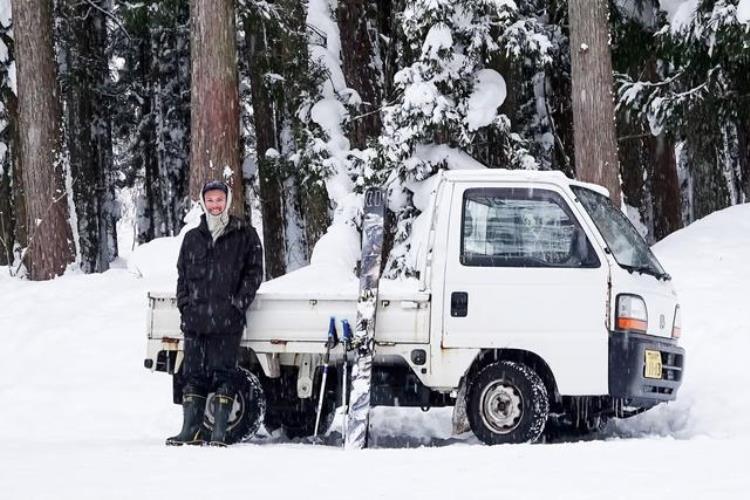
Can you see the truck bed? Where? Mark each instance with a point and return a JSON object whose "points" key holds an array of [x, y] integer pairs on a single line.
{"points": [[281, 316]]}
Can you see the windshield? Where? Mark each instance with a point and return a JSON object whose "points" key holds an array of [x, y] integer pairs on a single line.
{"points": [[623, 240]]}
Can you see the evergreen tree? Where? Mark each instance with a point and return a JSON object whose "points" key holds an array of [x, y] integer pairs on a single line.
{"points": [[648, 165], [362, 64], [170, 41], [152, 117], [539, 97], [448, 98], [87, 91], [42, 157], [9, 193], [291, 151], [697, 94]]}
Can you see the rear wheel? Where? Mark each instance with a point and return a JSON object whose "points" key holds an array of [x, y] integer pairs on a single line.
{"points": [[507, 403], [247, 411]]}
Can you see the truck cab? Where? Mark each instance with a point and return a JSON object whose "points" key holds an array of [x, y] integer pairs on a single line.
{"points": [[537, 305]]}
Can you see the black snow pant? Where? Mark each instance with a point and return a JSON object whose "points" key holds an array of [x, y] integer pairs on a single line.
{"points": [[210, 364]]}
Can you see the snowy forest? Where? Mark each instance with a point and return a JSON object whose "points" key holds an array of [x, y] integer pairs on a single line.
{"points": [[316, 100]]}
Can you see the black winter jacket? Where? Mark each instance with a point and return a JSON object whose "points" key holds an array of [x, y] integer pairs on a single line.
{"points": [[217, 281]]}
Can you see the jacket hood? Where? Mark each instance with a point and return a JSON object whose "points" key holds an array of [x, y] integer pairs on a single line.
{"points": [[226, 209], [217, 223]]}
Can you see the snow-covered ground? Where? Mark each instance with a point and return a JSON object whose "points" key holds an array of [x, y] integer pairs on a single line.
{"points": [[81, 418]]}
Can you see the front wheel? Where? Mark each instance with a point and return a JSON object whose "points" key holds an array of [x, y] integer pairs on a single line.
{"points": [[507, 403], [247, 411]]}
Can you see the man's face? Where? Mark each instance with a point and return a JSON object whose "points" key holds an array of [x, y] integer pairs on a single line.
{"points": [[216, 201]]}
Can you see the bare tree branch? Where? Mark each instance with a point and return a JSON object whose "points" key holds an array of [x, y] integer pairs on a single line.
{"points": [[111, 16]]}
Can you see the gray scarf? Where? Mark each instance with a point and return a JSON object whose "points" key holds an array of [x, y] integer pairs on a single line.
{"points": [[217, 223]]}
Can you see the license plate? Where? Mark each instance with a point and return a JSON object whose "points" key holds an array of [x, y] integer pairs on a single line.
{"points": [[653, 364]]}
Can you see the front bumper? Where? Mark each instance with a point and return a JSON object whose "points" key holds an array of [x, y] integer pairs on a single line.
{"points": [[627, 369]]}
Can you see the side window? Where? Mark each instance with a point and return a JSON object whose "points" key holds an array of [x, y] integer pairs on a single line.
{"points": [[504, 227]]}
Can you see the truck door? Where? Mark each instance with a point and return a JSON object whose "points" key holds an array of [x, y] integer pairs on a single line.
{"points": [[522, 273]]}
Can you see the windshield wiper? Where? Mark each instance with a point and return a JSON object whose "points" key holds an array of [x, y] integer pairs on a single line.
{"points": [[647, 270]]}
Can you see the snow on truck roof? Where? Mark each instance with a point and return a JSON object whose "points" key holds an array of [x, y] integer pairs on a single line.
{"points": [[503, 174]]}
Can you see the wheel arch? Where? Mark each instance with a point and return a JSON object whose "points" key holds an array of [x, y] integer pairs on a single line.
{"points": [[528, 358]]}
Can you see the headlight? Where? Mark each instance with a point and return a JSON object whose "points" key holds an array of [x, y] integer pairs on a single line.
{"points": [[632, 315], [677, 324]]}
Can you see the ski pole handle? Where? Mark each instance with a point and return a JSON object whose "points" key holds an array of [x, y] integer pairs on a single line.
{"points": [[347, 335], [332, 334]]}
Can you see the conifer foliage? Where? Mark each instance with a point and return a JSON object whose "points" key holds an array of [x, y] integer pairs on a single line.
{"points": [[11, 197], [151, 56], [697, 94], [448, 97], [335, 97], [87, 89]]}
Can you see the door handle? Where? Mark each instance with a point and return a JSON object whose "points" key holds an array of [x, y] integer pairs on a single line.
{"points": [[409, 304], [459, 304]]}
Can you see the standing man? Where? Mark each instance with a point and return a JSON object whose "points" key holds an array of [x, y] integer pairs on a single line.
{"points": [[219, 270]]}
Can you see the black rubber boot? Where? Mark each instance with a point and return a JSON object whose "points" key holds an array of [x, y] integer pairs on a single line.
{"points": [[222, 409], [193, 407]]}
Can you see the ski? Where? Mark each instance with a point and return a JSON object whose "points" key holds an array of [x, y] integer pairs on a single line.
{"points": [[363, 341], [346, 342]]}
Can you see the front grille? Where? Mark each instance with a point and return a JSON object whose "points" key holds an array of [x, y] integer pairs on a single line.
{"points": [[627, 369], [653, 389], [671, 364]]}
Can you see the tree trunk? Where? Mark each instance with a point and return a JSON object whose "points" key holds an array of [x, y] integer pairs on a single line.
{"points": [[150, 208], [170, 45], [215, 112], [89, 133], [315, 211], [666, 188], [39, 112], [593, 102], [152, 116], [360, 69], [636, 172], [271, 197], [388, 28]]}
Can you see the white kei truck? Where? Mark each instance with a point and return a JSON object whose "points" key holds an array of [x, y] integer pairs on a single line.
{"points": [[537, 304]]}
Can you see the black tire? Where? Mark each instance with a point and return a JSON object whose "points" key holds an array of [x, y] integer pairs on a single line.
{"points": [[507, 403], [567, 428], [247, 412]]}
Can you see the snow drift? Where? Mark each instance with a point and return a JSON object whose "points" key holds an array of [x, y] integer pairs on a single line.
{"points": [[81, 418]]}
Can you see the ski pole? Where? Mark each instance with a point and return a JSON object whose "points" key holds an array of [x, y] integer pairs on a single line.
{"points": [[346, 340], [330, 343]]}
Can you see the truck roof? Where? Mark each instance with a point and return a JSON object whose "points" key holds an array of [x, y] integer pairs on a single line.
{"points": [[503, 174]]}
